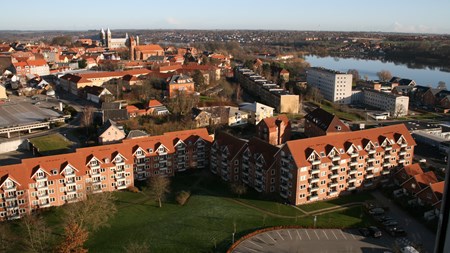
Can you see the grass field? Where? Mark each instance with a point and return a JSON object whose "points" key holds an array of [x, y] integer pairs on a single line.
{"points": [[340, 114], [204, 224], [49, 144]]}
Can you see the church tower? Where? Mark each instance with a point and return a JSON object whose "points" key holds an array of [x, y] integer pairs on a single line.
{"points": [[102, 37], [108, 38], [132, 44]]}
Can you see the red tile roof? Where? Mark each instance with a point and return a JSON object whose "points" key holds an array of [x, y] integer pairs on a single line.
{"points": [[153, 103], [301, 149]]}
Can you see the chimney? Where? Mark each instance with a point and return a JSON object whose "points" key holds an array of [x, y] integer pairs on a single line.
{"points": [[278, 123]]}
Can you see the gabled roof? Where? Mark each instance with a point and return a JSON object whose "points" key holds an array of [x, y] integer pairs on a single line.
{"points": [[299, 148], [271, 122], [233, 144], [136, 134], [326, 121], [268, 151], [153, 103], [426, 178]]}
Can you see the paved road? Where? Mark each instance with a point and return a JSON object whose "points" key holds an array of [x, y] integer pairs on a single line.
{"points": [[417, 232], [313, 240]]}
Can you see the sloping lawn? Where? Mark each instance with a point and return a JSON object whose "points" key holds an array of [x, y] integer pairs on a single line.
{"points": [[358, 197]]}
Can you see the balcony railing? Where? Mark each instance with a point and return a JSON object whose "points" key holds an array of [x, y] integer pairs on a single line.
{"points": [[386, 172], [351, 188], [387, 148], [354, 155], [401, 161], [387, 156], [402, 153], [370, 168], [314, 188], [314, 180], [352, 180], [336, 158], [283, 194], [333, 192], [315, 170], [403, 145], [333, 184], [334, 175], [369, 176], [315, 162], [353, 163], [335, 167], [372, 151], [313, 198], [371, 160], [353, 171], [40, 179]]}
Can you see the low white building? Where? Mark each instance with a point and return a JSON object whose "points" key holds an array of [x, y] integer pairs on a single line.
{"points": [[396, 105], [256, 111]]}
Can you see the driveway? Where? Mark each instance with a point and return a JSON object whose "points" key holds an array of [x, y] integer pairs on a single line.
{"points": [[417, 232]]}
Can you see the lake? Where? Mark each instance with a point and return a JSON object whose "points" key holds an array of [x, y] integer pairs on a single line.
{"points": [[426, 76]]}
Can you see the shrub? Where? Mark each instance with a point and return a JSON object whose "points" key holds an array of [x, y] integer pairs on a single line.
{"points": [[133, 189], [182, 197]]}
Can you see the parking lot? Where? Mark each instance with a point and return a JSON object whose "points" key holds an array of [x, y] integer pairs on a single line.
{"points": [[314, 240]]}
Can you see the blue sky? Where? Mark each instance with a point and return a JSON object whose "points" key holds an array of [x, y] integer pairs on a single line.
{"points": [[430, 16]]}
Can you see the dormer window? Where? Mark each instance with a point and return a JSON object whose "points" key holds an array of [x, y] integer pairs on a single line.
{"points": [[150, 150], [40, 174], [9, 184]]}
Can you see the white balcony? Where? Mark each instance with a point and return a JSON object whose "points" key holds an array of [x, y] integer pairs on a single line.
{"points": [[403, 145], [336, 158], [45, 204], [386, 172], [372, 151], [285, 160], [258, 173], [387, 148], [313, 198], [386, 164], [43, 195], [283, 194], [258, 180], [95, 172], [351, 172], [245, 180], [315, 171], [336, 175], [333, 184], [284, 187], [121, 187], [351, 188], [71, 190], [314, 180], [401, 161], [12, 208], [352, 180], [387, 156], [285, 177], [369, 176], [371, 160], [314, 188], [402, 153], [224, 172], [315, 162], [370, 168], [353, 163], [70, 182], [354, 154], [40, 179], [10, 189], [258, 188], [224, 164], [332, 193], [9, 197], [335, 167]]}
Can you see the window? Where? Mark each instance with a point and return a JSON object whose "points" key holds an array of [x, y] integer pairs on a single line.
{"points": [[236, 162], [302, 178]]}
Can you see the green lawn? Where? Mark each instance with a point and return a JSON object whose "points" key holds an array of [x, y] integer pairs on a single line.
{"points": [[326, 105], [48, 144], [206, 220], [359, 197]]}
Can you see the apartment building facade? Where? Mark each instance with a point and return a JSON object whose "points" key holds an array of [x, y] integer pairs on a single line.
{"points": [[274, 130], [325, 167], [333, 85], [56, 180], [318, 168], [396, 105], [269, 93]]}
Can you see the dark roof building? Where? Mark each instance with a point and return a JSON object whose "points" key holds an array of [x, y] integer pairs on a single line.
{"points": [[320, 122]]}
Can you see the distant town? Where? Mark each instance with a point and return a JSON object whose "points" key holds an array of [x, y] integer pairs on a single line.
{"points": [[97, 128]]}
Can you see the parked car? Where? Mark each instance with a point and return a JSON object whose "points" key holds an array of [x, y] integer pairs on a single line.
{"points": [[396, 231], [389, 223], [382, 218], [375, 232], [376, 211], [364, 232], [408, 249]]}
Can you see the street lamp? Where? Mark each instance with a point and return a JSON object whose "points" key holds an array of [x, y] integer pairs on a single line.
{"points": [[315, 220]]}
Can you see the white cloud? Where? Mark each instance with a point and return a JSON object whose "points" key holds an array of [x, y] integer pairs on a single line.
{"points": [[172, 21], [404, 28]]}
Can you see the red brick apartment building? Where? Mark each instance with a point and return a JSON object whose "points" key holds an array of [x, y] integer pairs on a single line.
{"points": [[56, 180], [316, 168]]}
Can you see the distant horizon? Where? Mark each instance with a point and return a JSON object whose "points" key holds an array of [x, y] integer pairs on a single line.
{"points": [[412, 16], [218, 29]]}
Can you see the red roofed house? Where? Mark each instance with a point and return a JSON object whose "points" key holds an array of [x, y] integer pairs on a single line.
{"points": [[419, 182], [407, 172], [274, 130], [432, 194], [142, 52], [320, 122], [34, 67], [180, 84]]}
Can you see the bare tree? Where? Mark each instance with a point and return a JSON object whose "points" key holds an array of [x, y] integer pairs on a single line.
{"points": [[87, 117], [137, 247], [6, 237], [399, 111], [355, 75], [384, 75], [92, 212], [238, 189], [158, 188], [38, 237]]}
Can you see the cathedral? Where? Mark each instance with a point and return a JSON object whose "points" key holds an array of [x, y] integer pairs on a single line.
{"points": [[106, 40]]}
